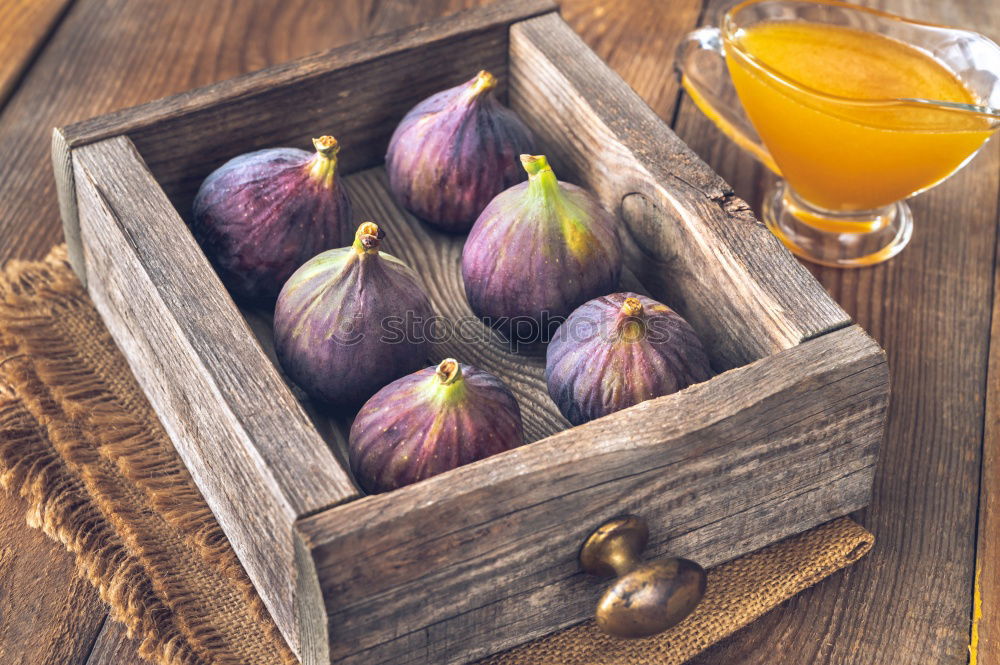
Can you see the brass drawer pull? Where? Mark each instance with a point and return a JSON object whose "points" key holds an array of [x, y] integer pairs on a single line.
{"points": [[646, 598]]}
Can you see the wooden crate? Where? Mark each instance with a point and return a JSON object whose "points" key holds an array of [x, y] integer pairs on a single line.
{"points": [[484, 557]]}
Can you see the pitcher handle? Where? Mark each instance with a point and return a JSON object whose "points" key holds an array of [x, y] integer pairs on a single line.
{"points": [[701, 63]]}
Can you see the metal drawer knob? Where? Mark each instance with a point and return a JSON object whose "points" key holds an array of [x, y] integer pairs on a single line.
{"points": [[646, 598]]}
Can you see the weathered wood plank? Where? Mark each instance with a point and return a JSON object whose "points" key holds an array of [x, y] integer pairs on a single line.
{"points": [[48, 613], [691, 238], [284, 80], [246, 441], [637, 39], [985, 638], [69, 214], [27, 25], [357, 92], [483, 557], [985, 634], [910, 600], [113, 647]]}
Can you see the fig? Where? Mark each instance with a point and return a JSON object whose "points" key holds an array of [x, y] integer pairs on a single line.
{"points": [[454, 151], [350, 320], [618, 350], [429, 422], [537, 251], [261, 215]]}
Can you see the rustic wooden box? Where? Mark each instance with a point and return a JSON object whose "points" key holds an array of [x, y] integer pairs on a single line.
{"points": [[484, 557]]}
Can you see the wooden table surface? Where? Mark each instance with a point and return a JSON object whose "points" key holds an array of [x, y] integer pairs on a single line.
{"points": [[936, 512]]}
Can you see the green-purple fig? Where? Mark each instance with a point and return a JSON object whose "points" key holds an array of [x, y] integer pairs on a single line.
{"points": [[454, 151], [350, 321], [618, 350], [537, 251], [429, 422], [261, 215]]}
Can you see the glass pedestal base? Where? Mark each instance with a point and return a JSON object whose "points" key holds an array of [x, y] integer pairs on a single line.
{"points": [[838, 239]]}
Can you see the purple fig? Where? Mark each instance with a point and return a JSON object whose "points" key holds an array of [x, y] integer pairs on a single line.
{"points": [[618, 350], [341, 321], [261, 215], [454, 151], [537, 251], [429, 422]]}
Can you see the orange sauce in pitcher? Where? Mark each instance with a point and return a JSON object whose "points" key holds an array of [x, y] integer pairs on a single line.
{"points": [[837, 150]]}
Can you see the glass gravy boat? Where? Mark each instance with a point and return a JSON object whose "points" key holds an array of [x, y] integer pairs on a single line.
{"points": [[847, 164]]}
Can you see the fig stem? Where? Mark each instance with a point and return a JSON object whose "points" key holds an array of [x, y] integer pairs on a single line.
{"points": [[323, 166], [541, 180], [327, 146], [483, 82], [449, 371], [631, 325], [367, 238], [632, 307]]}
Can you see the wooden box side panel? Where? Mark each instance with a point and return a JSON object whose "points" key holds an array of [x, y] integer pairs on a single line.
{"points": [[246, 441], [358, 92], [484, 557], [691, 242]]}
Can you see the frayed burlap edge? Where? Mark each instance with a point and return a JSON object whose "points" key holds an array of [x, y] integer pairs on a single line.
{"points": [[69, 405]]}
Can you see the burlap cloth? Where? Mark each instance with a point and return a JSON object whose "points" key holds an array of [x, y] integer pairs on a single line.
{"points": [[80, 443]]}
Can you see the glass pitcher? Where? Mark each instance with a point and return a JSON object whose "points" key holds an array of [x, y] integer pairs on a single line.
{"points": [[846, 162]]}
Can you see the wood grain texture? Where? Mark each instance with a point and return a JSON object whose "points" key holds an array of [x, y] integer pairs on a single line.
{"points": [[26, 27], [911, 599], [226, 105], [358, 93], [637, 39], [985, 639], [599, 133], [986, 585], [226, 410], [484, 557], [113, 647], [47, 613]]}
